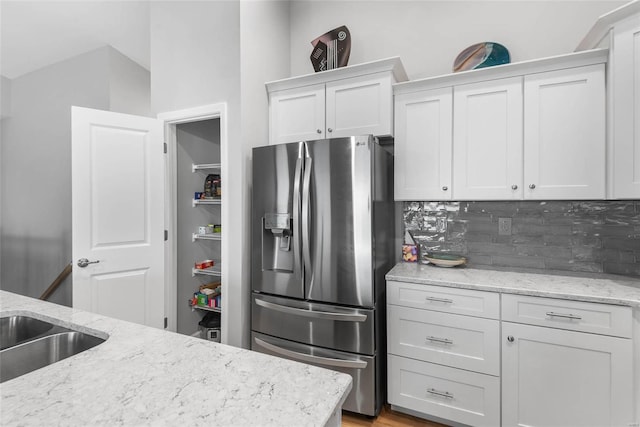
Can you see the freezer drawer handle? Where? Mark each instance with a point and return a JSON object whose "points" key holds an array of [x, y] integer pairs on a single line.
{"points": [[310, 313], [565, 316], [327, 361], [440, 393]]}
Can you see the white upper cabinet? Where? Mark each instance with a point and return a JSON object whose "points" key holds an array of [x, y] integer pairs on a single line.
{"points": [[297, 114], [487, 140], [624, 87], [619, 30], [564, 134], [423, 145], [359, 106], [531, 130], [346, 101]]}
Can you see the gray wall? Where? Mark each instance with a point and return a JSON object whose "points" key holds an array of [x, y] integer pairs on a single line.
{"points": [[35, 243], [584, 236]]}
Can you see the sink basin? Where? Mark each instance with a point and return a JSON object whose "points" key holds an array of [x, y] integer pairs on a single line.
{"points": [[17, 329], [27, 344], [31, 355]]}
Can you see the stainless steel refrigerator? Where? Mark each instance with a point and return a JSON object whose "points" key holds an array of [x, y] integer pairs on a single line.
{"points": [[322, 236]]}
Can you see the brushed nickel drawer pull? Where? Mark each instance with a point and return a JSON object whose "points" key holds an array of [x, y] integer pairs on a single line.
{"points": [[444, 300], [442, 340], [440, 393], [565, 316]]}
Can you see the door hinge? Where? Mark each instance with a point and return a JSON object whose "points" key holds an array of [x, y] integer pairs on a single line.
{"points": [[166, 322], [165, 148], [166, 235]]}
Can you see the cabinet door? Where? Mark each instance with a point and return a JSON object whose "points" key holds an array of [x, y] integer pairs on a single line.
{"points": [[564, 134], [625, 85], [423, 145], [296, 114], [552, 377], [359, 106], [487, 140]]}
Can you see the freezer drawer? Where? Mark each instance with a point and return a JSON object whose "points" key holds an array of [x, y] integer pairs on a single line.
{"points": [[321, 325], [366, 393]]}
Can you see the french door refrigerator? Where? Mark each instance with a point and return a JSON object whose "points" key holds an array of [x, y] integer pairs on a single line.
{"points": [[322, 241]]}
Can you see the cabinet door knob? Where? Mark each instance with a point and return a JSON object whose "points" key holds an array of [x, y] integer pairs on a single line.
{"points": [[330, 130], [514, 187], [445, 188], [318, 130], [532, 186], [510, 338]]}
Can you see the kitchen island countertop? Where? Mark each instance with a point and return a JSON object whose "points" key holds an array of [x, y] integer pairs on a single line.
{"points": [[609, 289], [147, 376]]}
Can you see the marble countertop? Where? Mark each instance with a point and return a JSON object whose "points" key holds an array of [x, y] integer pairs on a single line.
{"points": [[146, 376], [608, 289]]}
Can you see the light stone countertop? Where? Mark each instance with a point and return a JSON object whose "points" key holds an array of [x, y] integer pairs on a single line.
{"points": [[609, 289], [145, 376]]}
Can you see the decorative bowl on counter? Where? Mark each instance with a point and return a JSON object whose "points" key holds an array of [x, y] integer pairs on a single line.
{"points": [[444, 259]]}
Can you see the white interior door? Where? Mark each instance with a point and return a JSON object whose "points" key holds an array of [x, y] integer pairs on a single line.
{"points": [[118, 215]]}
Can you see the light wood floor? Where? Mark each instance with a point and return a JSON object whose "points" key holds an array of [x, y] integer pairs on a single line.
{"points": [[387, 418]]}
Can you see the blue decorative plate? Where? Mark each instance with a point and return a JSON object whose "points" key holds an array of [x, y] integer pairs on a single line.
{"points": [[481, 55]]}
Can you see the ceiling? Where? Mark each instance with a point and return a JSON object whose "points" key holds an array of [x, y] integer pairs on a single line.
{"points": [[34, 34]]}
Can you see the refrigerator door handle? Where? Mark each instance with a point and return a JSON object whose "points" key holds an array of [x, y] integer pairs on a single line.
{"points": [[326, 361], [306, 207], [355, 317], [297, 253]]}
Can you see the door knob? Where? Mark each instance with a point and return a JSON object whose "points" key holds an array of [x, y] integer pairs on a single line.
{"points": [[514, 187], [445, 188], [532, 186], [83, 262], [330, 130], [318, 131], [510, 338]]}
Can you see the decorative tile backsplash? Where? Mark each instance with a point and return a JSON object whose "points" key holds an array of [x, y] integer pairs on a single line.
{"points": [[583, 236]]}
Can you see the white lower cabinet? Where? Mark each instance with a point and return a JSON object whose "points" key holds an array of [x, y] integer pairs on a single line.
{"points": [[448, 393], [554, 377], [527, 361]]}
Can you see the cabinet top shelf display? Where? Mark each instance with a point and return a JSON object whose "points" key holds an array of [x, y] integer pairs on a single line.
{"points": [[394, 65], [571, 60], [206, 166]]}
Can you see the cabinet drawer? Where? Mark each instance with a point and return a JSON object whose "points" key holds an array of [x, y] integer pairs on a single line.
{"points": [[453, 394], [580, 316], [441, 298], [447, 339]]}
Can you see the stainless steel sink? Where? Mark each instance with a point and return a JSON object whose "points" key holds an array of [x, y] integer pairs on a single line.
{"points": [[32, 344], [17, 329]]}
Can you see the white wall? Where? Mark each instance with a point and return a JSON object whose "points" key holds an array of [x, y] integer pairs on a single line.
{"points": [[264, 53], [129, 85], [36, 171], [5, 97], [195, 60], [35, 158], [428, 35]]}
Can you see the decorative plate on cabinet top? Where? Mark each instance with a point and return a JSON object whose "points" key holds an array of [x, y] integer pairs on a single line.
{"points": [[444, 260], [481, 55]]}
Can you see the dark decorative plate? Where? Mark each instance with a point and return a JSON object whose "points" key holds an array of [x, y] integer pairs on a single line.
{"points": [[481, 55]]}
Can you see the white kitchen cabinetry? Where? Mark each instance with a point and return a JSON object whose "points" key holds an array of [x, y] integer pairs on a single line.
{"points": [[486, 358], [487, 140], [619, 30], [423, 145], [530, 130], [444, 362], [347, 101], [554, 375], [564, 134], [624, 86]]}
